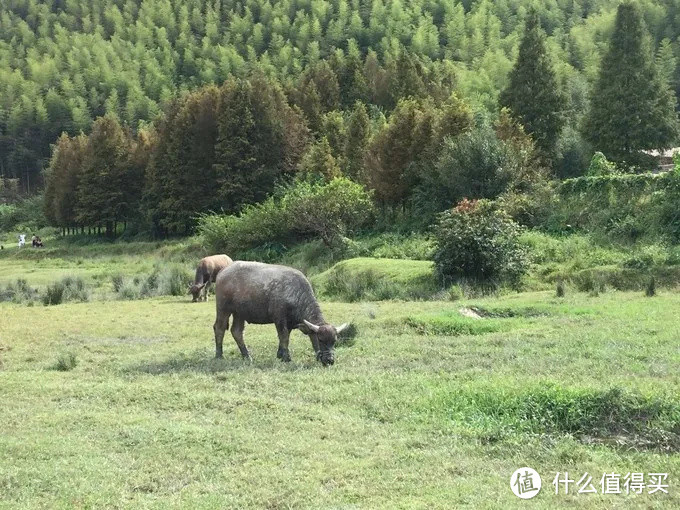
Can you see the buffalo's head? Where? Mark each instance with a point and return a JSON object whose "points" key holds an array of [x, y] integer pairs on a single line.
{"points": [[324, 338], [195, 291]]}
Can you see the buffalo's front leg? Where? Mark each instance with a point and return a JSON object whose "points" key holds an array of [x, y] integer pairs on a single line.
{"points": [[205, 291], [284, 336], [237, 332], [315, 344]]}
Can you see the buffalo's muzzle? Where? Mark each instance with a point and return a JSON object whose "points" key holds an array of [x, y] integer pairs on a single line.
{"points": [[326, 358]]}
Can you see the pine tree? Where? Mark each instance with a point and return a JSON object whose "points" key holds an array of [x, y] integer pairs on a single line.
{"points": [[319, 161], [253, 147], [102, 197], [533, 94], [358, 134], [632, 109]]}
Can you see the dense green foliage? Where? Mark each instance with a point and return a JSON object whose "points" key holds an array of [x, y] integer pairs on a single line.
{"points": [[479, 243], [67, 63], [633, 107], [533, 94], [327, 211]]}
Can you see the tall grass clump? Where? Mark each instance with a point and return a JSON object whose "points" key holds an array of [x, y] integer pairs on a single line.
{"points": [[172, 281], [364, 279], [68, 289], [65, 362], [18, 292], [168, 279], [650, 290]]}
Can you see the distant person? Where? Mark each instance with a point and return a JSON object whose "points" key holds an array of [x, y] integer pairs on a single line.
{"points": [[34, 241], [22, 240]]}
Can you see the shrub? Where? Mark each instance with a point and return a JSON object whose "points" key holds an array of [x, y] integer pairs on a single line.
{"points": [[129, 291], [328, 211], [66, 290], [479, 242], [476, 164], [306, 208], [26, 214], [18, 292], [574, 153], [599, 165]]}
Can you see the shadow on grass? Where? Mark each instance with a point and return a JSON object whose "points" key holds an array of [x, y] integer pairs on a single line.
{"points": [[203, 361]]}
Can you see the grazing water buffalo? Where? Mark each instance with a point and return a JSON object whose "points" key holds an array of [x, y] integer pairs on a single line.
{"points": [[265, 294], [206, 272]]}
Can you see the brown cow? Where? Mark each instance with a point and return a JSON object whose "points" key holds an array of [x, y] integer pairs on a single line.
{"points": [[206, 272]]}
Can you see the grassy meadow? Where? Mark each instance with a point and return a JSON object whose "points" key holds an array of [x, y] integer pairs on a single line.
{"points": [[119, 403]]}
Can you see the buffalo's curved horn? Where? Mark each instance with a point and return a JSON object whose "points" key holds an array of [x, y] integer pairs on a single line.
{"points": [[341, 328], [311, 326]]}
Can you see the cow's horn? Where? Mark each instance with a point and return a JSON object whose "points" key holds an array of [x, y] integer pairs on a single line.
{"points": [[340, 329], [311, 326]]}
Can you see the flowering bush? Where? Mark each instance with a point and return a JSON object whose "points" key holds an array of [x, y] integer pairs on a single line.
{"points": [[479, 242]]}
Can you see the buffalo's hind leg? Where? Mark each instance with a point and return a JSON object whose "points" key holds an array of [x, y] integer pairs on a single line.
{"points": [[220, 327], [284, 336], [237, 328]]}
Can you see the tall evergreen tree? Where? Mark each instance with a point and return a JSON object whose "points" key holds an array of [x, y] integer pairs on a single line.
{"points": [[253, 149], [533, 94], [358, 135], [103, 198], [632, 107]]}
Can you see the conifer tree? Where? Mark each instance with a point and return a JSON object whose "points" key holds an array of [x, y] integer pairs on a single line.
{"points": [[102, 190], [319, 161], [632, 108], [358, 135], [533, 94]]}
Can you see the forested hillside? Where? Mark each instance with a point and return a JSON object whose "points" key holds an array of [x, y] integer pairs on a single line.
{"points": [[64, 63]]}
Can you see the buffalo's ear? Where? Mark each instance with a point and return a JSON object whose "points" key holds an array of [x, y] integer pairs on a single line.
{"points": [[189, 290]]}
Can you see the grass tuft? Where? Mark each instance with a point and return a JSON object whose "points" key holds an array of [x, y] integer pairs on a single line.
{"points": [[650, 290], [65, 362], [68, 289]]}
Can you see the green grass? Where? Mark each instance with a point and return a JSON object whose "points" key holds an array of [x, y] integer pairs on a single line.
{"points": [[114, 403], [146, 418], [97, 264], [377, 279]]}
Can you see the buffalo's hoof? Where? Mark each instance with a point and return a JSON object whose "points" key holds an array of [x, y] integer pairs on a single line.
{"points": [[283, 355]]}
